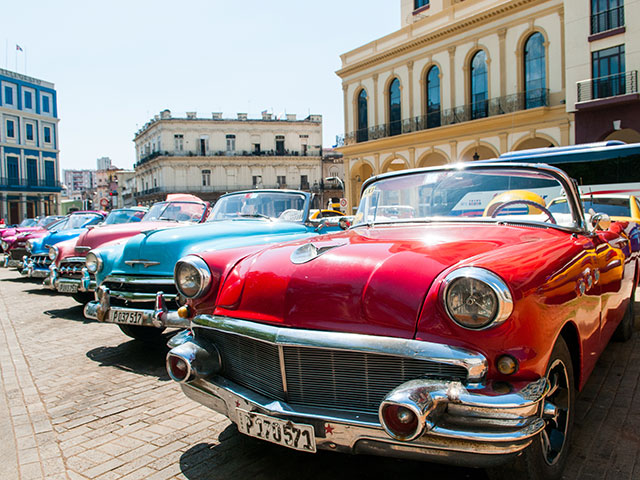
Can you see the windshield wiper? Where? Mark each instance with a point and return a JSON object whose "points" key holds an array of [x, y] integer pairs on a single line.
{"points": [[255, 215]]}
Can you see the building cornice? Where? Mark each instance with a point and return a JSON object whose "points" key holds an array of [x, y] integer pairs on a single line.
{"points": [[413, 44]]}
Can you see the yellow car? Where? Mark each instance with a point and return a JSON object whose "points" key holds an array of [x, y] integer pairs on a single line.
{"points": [[324, 213]]}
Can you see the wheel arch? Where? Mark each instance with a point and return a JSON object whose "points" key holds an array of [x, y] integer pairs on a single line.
{"points": [[569, 334]]}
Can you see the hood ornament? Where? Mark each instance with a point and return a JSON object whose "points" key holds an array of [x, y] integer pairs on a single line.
{"points": [[144, 263], [309, 251]]}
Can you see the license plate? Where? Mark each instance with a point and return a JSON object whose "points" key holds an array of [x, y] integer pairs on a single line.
{"points": [[285, 433], [68, 288], [131, 317]]}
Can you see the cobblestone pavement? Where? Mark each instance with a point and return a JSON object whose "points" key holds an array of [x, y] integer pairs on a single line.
{"points": [[80, 400]]}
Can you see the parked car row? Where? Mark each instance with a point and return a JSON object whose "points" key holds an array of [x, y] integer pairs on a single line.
{"points": [[453, 319]]}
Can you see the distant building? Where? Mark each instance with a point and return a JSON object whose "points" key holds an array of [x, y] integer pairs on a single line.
{"points": [[29, 164], [211, 156], [104, 163], [79, 180]]}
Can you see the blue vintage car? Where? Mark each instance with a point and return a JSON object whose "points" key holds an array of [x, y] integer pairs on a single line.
{"points": [[131, 275], [36, 264]]}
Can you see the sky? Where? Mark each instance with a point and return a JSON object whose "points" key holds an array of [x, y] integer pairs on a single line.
{"points": [[116, 64]]}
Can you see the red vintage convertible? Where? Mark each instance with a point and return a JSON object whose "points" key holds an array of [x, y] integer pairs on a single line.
{"points": [[453, 322]]}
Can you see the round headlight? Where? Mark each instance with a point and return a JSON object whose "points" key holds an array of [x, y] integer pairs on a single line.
{"points": [[28, 246], [5, 245], [192, 276], [93, 262], [476, 298], [53, 253]]}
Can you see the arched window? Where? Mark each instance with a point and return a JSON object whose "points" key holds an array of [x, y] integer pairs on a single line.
{"points": [[395, 108], [535, 75], [433, 97], [479, 86], [362, 133]]}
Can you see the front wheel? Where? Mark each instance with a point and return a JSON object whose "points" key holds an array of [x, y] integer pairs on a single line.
{"points": [[145, 334], [547, 455]]}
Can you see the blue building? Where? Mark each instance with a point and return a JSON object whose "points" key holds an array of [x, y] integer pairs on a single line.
{"points": [[29, 155]]}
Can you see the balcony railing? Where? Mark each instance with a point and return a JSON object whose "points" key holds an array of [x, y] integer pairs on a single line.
{"points": [[609, 86], [312, 152], [607, 20], [486, 108], [14, 183], [218, 189]]}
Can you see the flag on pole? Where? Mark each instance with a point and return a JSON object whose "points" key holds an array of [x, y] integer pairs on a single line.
{"points": [[19, 48]]}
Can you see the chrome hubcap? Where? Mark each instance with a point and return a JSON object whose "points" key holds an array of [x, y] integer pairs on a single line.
{"points": [[553, 437]]}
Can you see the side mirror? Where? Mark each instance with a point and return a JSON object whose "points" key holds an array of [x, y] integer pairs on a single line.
{"points": [[344, 223], [600, 221]]}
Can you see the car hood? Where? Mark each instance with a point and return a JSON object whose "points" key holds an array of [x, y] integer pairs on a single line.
{"points": [[94, 237], [8, 232], [42, 244], [366, 280], [165, 247]]}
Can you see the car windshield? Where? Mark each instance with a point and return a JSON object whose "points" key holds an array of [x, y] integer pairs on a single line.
{"points": [[28, 222], [282, 206], [43, 222], [491, 194], [175, 211], [612, 206], [81, 220], [123, 216]]}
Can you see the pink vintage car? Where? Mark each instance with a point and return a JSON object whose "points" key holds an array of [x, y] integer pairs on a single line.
{"points": [[13, 240], [68, 274]]}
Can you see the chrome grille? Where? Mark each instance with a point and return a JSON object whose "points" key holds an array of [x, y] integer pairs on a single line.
{"points": [[250, 363], [152, 287], [321, 377], [353, 380], [41, 261], [71, 268]]}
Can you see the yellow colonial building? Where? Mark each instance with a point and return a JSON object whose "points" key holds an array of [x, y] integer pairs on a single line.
{"points": [[461, 80]]}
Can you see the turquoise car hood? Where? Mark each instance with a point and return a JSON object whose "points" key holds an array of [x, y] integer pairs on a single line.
{"points": [[42, 244], [156, 252]]}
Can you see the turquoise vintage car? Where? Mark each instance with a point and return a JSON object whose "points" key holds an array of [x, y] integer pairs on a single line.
{"points": [[36, 264], [135, 278]]}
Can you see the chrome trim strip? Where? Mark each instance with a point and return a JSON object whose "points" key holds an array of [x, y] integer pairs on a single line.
{"points": [[139, 279], [144, 263], [73, 260], [283, 371], [474, 363]]}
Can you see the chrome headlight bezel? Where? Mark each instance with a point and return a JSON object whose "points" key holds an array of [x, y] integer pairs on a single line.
{"points": [[4, 245], [28, 246], [497, 286], [200, 267], [53, 253], [93, 262]]}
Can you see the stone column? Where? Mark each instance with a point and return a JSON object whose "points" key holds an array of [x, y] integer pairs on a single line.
{"points": [[502, 34], [40, 205], [452, 75], [4, 207], [23, 206]]}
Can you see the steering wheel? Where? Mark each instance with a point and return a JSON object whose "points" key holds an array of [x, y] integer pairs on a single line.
{"points": [[530, 203]]}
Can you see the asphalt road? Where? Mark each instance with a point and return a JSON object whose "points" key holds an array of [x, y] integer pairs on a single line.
{"points": [[79, 399]]}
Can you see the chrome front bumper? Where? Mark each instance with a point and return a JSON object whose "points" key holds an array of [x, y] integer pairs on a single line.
{"points": [[54, 281], [159, 317], [473, 424], [31, 271]]}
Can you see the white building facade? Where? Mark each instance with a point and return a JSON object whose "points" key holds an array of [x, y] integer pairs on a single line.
{"points": [[211, 156]]}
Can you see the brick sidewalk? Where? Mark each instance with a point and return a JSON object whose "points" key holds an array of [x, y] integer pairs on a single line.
{"points": [[87, 402]]}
